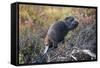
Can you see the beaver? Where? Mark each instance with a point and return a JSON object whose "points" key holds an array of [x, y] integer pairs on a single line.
{"points": [[57, 32]]}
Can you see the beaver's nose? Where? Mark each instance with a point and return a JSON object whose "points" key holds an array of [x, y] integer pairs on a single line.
{"points": [[75, 23]]}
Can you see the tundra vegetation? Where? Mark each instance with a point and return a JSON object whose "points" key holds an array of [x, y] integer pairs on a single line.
{"points": [[34, 22]]}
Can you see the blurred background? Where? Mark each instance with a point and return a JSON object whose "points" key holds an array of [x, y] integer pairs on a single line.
{"points": [[35, 20]]}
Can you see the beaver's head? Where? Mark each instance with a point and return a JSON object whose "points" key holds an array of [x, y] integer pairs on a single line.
{"points": [[71, 22]]}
